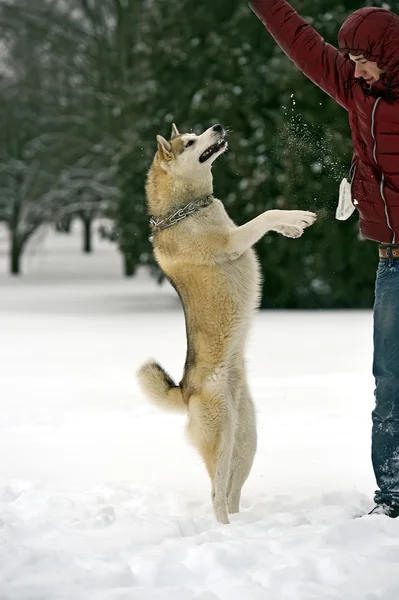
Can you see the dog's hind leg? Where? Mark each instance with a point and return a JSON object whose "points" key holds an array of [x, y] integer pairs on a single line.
{"points": [[209, 431], [221, 475], [243, 453]]}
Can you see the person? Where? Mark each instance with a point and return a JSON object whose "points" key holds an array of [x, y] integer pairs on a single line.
{"points": [[363, 77]]}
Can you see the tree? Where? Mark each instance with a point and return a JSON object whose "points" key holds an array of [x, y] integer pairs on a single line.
{"points": [[114, 73], [53, 161]]}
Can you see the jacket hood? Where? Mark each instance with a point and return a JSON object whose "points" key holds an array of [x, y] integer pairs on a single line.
{"points": [[374, 33]]}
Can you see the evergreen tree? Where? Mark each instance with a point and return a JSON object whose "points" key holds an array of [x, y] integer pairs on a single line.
{"points": [[112, 74]]}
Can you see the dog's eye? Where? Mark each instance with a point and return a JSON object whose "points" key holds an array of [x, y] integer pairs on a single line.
{"points": [[190, 143]]}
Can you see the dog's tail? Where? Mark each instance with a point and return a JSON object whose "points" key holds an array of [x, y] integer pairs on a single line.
{"points": [[159, 387]]}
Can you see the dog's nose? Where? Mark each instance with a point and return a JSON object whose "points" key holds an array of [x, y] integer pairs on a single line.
{"points": [[218, 128]]}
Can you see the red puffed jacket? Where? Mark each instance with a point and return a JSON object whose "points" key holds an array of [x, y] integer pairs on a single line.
{"points": [[373, 110]]}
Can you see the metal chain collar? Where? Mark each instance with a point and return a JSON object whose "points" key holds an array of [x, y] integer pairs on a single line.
{"points": [[182, 213]]}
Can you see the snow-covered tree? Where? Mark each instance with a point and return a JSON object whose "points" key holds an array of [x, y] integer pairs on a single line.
{"points": [[53, 156]]}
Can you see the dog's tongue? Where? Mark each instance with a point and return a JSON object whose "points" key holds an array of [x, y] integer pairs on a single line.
{"points": [[211, 150]]}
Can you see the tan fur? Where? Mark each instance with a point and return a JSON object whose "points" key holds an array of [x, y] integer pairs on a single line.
{"points": [[211, 264]]}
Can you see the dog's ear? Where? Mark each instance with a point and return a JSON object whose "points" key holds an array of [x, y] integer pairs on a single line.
{"points": [[164, 148], [175, 131]]}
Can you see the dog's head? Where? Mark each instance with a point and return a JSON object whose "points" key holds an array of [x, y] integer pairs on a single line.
{"points": [[181, 170], [188, 154]]}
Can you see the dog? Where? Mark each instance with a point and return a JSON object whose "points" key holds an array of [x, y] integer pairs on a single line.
{"points": [[212, 266]]}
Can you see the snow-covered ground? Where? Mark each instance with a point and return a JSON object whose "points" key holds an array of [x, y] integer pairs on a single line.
{"points": [[101, 498]]}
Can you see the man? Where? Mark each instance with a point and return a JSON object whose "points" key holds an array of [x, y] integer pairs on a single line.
{"points": [[364, 78]]}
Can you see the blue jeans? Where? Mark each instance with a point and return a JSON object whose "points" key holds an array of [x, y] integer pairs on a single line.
{"points": [[385, 434]]}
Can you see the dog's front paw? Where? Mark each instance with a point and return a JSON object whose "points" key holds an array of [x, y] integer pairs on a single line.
{"points": [[293, 222], [290, 231]]}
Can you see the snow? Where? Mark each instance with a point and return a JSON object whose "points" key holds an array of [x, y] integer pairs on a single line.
{"points": [[102, 498]]}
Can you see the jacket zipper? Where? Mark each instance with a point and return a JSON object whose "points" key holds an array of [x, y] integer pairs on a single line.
{"points": [[352, 172], [382, 174]]}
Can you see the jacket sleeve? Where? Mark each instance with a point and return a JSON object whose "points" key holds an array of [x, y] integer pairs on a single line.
{"points": [[319, 61]]}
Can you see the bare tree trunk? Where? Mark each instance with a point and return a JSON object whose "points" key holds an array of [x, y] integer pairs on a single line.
{"points": [[15, 255], [129, 265], [87, 235]]}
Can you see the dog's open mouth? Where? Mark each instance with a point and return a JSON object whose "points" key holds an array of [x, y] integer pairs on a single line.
{"points": [[222, 143]]}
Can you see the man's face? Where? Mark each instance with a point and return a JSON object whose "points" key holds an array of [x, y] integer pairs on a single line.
{"points": [[366, 69]]}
